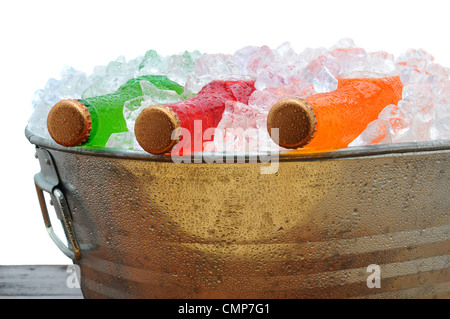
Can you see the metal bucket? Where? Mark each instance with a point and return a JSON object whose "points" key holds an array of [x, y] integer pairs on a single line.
{"points": [[370, 222]]}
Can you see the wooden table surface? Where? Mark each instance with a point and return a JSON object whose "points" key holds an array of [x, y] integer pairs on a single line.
{"points": [[38, 282]]}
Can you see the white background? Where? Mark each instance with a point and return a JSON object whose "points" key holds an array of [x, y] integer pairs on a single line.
{"points": [[40, 37]]}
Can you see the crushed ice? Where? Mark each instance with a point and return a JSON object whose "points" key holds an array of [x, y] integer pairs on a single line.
{"points": [[423, 114]]}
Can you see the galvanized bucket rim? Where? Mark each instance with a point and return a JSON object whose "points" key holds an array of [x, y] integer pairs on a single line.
{"points": [[359, 151]]}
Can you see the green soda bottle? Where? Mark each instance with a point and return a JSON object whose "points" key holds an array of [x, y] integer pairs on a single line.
{"points": [[92, 120]]}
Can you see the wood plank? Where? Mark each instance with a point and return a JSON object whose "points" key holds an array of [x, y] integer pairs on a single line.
{"points": [[38, 282]]}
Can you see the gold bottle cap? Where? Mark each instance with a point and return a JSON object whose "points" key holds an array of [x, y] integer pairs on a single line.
{"points": [[295, 120], [154, 128], [69, 123]]}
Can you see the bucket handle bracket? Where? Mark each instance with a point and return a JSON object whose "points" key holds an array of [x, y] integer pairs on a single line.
{"points": [[47, 180]]}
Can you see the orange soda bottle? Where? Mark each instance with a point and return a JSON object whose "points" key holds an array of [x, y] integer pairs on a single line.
{"points": [[332, 120]]}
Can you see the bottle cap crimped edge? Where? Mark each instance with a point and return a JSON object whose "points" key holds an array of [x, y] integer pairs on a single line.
{"points": [[69, 123], [296, 122], [157, 129]]}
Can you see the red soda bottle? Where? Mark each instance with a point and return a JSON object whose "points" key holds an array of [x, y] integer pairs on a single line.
{"points": [[155, 126]]}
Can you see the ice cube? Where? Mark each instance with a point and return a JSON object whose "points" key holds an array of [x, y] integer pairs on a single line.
{"points": [[441, 126], [70, 86], [268, 79], [380, 62], [123, 140], [377, 132], [37, 98], [343, 43], [420, 93], [238, 115], [348, 60], [361, 74], [409, 108], [437, 70], [310, 54], [179, 66], [411, 75], [322, 73], [390, 111], [158, 96], [242, 57], [209, 67], [152, 63], [420, 127], [286, 52], [243, 128], [396, 118], [287, 68], [259, 60], [111, 78], [263, 100], [324, 81], [416, 59]]}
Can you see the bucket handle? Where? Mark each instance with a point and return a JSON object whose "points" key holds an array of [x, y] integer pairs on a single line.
{"points": [[60, 204], [47, 180]]}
